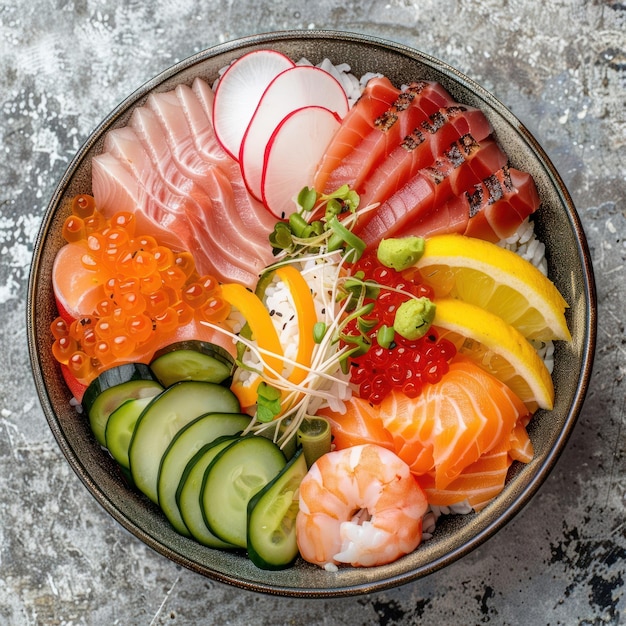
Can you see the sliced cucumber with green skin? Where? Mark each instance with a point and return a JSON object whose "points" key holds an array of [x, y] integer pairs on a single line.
{"points": [[184, 445], [113, 387], [162, 419], [188, 493], [272, 518], [233, 477], [193, 360], [121, 426]]}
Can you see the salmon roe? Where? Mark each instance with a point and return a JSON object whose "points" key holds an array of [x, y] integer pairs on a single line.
{"points": [[400, 364], [150, 291]]}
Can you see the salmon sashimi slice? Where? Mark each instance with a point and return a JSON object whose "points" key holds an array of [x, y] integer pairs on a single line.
{"points": [[359, 424], [469, 412], [418, 151], [478, 484], [521, 446], [411, 108], [462, 165], [378, 95]]}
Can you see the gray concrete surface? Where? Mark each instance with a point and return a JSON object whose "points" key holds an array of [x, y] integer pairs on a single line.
{"points": [[559, 65]]}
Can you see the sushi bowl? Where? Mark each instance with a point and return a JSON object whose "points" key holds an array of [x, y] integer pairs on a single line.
{"points": [[557, 225]]}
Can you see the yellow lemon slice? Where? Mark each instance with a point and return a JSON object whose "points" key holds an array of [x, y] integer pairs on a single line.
{"points": [[499, 348], [495, 279]]}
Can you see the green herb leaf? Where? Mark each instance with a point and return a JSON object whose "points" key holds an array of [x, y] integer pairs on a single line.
{"points": [[268, 402], [307, 198]]}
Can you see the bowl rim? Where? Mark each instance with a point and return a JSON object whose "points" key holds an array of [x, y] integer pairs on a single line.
{"points": [[588, 341]]}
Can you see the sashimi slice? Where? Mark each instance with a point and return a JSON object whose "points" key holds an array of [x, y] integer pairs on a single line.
{"points": [[359, 424], [420, 149], [412, 107], [257, 221], [297, 87], [200, 126], [464, 164], [115, 189], [159, 203], [501, 204], [477, 485], [145, 123], [223, 218], [377, 97], [248, 76], [469, 412], [521, 446], [77, 290], [291, 155]]}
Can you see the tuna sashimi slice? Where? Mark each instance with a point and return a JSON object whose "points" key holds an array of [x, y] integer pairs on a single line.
{"points": [[420, 149], [482, 214], [464, 164], [412, 107], [378, 95]]}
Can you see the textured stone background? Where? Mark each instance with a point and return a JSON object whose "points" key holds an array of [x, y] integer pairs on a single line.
{"points": [[559, 65]]}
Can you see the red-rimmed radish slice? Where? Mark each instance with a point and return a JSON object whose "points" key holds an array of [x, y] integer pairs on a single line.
{"points": [[238, 92], [298, 87], [292, 154]]}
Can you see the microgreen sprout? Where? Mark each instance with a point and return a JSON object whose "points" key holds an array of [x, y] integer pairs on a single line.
{"points": [[316, 224]]}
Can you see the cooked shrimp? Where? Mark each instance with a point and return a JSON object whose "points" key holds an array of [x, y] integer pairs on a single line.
{"points": [[360, 505]]}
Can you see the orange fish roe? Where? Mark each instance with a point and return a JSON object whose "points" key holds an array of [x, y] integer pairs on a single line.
{"points": [[150, 291]]}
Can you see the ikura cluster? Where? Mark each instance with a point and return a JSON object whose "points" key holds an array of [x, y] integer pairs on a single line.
{"points": [[391, 361], [149, 291]]}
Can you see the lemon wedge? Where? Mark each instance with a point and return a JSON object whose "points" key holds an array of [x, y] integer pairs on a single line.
{"points": [[499, 348], [497, 280]]}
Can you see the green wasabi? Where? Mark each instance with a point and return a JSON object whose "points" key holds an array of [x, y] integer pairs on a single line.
{"points": [[400, 253], [414, 317]]}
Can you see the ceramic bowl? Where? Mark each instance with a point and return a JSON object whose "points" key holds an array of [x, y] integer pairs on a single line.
{"points": [[557, 225]]}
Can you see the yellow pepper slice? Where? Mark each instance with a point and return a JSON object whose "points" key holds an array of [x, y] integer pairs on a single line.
{"points": [[307, 317], [263, 332]]}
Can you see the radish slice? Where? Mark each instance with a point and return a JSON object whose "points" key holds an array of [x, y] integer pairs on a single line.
{"points": [[298, 87], [292, 154], [238, 92]]}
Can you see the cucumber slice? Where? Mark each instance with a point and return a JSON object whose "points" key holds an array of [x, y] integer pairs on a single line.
{"points": [[121, 426], [188, 493], [185, 444], [272, 518], [113, 387], [232, 478], [158, 424], [193, 360]]}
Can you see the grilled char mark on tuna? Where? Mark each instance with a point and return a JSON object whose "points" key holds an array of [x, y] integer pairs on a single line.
{"points": [[412, 107], [426, 142], [477, 213], [463, 165]]}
